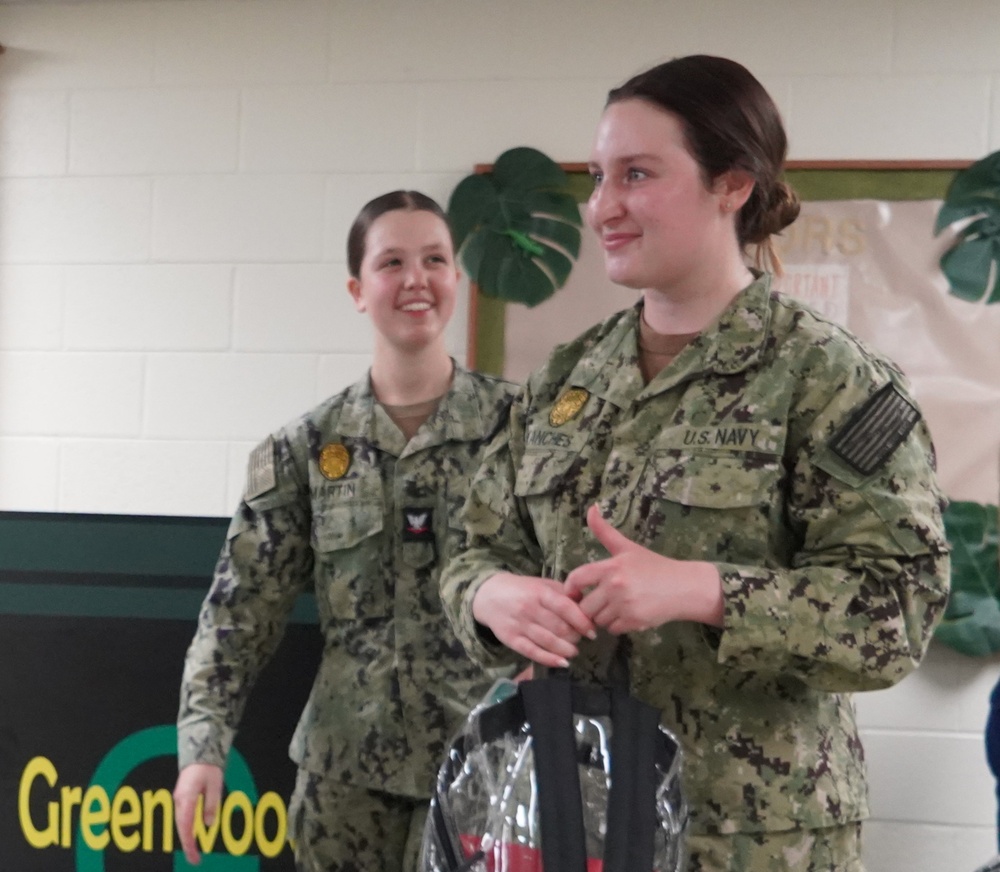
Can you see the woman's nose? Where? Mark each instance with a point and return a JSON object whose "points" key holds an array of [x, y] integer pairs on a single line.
{"points": [[416, 277], [604, 204]]}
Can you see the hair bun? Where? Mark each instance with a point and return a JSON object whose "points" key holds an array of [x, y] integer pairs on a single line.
{"points": [[775, 210], [785, 205]]}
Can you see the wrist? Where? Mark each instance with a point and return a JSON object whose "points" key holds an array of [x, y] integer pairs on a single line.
{"points": [[484, 596], [705, 600]]}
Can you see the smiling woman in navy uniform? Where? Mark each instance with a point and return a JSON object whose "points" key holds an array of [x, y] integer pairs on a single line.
{"points": [[358, 501], [743, 488]]}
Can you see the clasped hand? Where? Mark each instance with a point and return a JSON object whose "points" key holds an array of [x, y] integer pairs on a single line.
{"points": [[632, 590]]}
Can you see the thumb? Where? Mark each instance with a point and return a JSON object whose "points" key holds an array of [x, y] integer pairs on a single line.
{"points": [[607, 535]]}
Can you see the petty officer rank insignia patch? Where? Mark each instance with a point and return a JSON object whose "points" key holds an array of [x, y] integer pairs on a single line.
{"points": [[418, 524], [334, 460], [875, 430], [568, 406], [260, 470]]}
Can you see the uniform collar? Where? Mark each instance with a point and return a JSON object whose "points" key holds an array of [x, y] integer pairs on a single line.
{"points": [[460, 417], [735, 341], [737, 338]]}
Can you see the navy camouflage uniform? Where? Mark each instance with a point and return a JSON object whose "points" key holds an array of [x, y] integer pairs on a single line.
{"points": [[339, 503], [783, 450]]}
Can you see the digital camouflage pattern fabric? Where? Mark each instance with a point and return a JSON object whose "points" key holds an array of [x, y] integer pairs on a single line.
{"points": [[353, 829], [339, 503], [834, 573], [832, 849]]}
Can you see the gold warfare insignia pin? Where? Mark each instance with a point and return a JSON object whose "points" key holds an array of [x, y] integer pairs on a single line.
{"points": [[568, 406], [334, 460]]}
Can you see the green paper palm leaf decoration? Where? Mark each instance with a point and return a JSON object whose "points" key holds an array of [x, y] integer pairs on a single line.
{"points": [[972, 264], [971, 622], [517, 228]]}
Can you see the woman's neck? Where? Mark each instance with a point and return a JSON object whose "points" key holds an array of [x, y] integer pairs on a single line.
{"points": [[400, 379], [691, 308]]}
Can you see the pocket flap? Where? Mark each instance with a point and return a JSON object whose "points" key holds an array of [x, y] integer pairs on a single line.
{"points": [[344, 525], [714, 480], [549, 453], [541, 471]]}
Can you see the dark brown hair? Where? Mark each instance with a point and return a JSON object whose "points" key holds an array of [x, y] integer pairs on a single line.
{"points": [[730, 122], [408, 201]]}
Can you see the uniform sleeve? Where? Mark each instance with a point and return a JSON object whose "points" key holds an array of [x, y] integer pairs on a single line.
{"points": [[264, 564], [869, 578], [499, 538]]}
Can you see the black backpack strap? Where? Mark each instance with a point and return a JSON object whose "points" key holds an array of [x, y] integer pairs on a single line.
{"points": [[548, 706], [631, 818], [635, 748]]}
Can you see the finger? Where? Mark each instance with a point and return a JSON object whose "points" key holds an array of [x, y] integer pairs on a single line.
{"points": [[607, 535], [571, 614], [604, 614], [544, 658], [554, 642], [191, 853], [213, 798], [555, 627], [618, 627], [581, 579], [623, 624], [528, 638], [539, 653], [554, 613], [596, 601], [184, 810]]}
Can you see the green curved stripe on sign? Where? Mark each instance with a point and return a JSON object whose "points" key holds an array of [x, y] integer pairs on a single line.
{"points": [[147, 745]]}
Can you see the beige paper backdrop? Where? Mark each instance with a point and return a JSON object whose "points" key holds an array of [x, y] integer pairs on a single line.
{"points": [[871, 265]]}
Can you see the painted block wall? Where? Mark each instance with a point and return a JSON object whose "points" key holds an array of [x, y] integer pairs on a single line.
{"points": [[176, 182]]}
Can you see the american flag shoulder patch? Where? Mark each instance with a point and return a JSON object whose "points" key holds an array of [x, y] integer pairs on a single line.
{"points": [[876, 429], [261, 476]]}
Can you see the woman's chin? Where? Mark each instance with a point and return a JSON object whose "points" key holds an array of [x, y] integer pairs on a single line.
{"points": [[626, 279]]}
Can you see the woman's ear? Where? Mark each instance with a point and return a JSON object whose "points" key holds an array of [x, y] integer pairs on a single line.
{"points": [[354, 289], [734, 188]]}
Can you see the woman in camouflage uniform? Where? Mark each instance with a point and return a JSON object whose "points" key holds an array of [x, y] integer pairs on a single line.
{"points": [[357, 501], [742, 487]]}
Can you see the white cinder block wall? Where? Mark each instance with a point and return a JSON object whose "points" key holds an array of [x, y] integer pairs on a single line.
{"points": [[176, 182]]}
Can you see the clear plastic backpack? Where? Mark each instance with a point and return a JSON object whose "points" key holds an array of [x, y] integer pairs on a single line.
{"points": [[557, 775]]}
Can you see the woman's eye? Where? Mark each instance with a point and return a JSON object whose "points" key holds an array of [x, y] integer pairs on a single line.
{"points": [[634, 175], [596, 177]]}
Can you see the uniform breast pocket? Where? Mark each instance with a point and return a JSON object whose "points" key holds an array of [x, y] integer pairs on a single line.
{"points": [[548, 483], [551, 461], [543, 473], [705, 506], [349, 544]]}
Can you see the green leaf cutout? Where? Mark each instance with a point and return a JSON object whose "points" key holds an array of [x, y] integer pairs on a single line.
{"points": [[972, 264], [472, 202], [971, 623], [517, 227]]}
